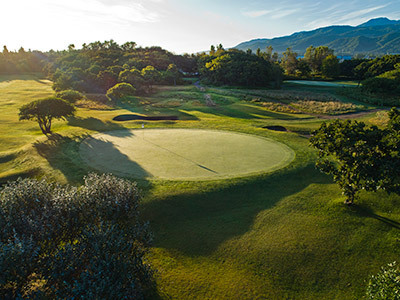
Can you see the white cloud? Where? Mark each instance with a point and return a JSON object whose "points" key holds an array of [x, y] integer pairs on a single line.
{"points": [[256, 13]]}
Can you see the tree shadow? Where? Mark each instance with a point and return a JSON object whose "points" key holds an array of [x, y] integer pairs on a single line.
{"points": [[197, 224], [94, 124], [62, 153], [158, 111], [111, 158], [367, 212], [243, 111]]}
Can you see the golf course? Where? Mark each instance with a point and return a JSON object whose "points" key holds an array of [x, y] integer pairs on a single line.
{"points": [[236, 207], [176, 154]]}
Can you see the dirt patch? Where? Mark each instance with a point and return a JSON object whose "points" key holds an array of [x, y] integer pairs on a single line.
{"points": [[121, 118], [276, 128]]}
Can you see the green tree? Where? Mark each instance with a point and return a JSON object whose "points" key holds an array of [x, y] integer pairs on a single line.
{"points": [[45, 110], [173, 74], [360, 157], [70, 95], [120, 90], [315, 56], [133, 77], [289, 61], [151, 76], [330, 66]]}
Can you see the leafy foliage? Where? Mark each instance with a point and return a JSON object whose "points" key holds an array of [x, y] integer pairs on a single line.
{"points": [[99, 66], [120, 90], [379, 85], [234, 67], [359, 157], [386, 284], [70, 95], [83, 242], [45, 110]]}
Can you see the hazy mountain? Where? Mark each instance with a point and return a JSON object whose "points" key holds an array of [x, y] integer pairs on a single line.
{"points": [[377, 36]]}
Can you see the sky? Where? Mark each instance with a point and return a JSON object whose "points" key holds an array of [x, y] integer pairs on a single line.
{"points": [[180, 26]]}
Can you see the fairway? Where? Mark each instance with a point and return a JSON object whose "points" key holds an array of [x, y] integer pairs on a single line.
{"points": [[182, 154]]}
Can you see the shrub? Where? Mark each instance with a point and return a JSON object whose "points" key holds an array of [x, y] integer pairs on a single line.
{"points": [[70, 95], [378, 85], [120, 90], [386, 284], [85, 242]]}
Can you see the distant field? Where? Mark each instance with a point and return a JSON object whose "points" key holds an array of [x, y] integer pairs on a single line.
{"points": [[276, 235]]}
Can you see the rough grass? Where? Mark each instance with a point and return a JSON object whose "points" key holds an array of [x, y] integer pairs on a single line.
{"points": [[285, 235]]}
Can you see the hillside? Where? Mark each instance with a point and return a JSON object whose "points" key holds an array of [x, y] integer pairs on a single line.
{"points": [[377, 36]]}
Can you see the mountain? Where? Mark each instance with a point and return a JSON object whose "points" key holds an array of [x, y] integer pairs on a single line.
{"points": [[377, 36], [379, 22]]}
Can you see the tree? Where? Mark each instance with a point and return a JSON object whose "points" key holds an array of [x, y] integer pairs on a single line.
{"points": [[315, 56], [63, 242], [360, 157], [120, 90], [151, 76], [289, 61], [45, 110], [386, 284], [70, 95], [330, 66], [172, 74]]}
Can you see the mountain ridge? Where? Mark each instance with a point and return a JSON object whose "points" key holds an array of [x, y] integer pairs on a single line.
{"points": [[377, 36]]}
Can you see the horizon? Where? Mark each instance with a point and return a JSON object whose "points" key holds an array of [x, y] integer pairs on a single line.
{"points": [[177, 26]]}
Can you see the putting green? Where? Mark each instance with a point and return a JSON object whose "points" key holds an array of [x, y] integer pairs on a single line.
{"points": [[183, 154]]}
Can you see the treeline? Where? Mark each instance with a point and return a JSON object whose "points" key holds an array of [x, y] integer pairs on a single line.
{"points": [[99, 66], [21, 61], [238, 68]]}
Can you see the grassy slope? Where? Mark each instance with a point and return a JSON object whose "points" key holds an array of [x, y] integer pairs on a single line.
{"points": [[284, 235]]}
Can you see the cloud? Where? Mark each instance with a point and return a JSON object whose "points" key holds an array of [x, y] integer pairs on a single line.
{"points": [[283, 13], [121, 11], [346, 16], [256, 13]]}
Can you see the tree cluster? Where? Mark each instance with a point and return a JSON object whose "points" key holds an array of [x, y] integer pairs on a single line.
{"points": [[21, 61], [238, 68], [63, 242], [99, 66], [317, 61], [360, 157]]}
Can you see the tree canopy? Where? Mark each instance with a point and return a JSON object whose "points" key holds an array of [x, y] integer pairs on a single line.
{"points": [[358, 156], [63, 242], [235, 67], [45, 110]]}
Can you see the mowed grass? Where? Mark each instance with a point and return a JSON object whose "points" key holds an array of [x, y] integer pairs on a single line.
{"points": [[183, 154], [283, 235]]}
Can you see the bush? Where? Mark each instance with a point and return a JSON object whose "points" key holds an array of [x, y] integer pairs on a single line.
{"points": [[62, 241], [386, 284], [70, 95], [378, 85], [120, 90]]}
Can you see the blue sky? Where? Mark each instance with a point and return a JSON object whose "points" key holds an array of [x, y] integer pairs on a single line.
{"points": [[177, 25]]}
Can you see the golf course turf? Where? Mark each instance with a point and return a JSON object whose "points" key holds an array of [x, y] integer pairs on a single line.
{"points": [[183, 154]]}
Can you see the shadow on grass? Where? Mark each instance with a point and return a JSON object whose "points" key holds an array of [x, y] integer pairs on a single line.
{"points": [[62, 153], [198, 224], [94, 124], [366, 212], [156, 111], [247, 111], [110, 157]]}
